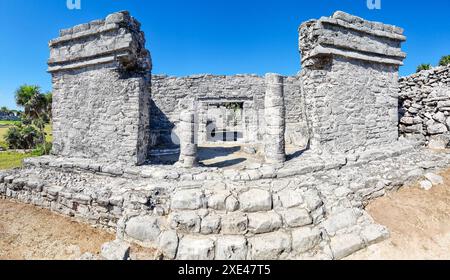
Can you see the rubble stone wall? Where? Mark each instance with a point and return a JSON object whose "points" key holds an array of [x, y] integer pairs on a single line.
{"points": [[101, 80], [169, 92], [424, 106], [350, 81]]}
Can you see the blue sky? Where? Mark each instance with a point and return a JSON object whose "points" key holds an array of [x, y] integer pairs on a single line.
{"points": [[208, 36]]}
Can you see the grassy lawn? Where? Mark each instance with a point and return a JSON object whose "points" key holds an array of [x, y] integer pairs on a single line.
{"points": [[10, 160]]}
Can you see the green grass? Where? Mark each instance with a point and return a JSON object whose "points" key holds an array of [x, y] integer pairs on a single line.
{"points": [[10, 160], [8, 123]]}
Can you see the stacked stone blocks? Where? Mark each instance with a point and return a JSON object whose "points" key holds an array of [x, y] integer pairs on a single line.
{"points": [[274, 115], [101, 99], [424, 107], [350, 82]]}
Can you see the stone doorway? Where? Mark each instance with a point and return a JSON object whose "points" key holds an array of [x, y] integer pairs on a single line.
{"points": [[224, 122]]}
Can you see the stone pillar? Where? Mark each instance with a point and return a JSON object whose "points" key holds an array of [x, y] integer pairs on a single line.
{"points": [[350, 82], [274, 115], [188, 130], [101, 75]]}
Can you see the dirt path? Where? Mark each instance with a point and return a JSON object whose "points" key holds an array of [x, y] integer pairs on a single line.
{"points": [[28, 232], [419, 222]]}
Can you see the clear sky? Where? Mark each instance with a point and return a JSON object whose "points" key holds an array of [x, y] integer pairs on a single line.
{"points": [[208, 36]]}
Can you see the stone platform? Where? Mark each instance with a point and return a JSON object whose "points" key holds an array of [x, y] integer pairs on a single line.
{"points": [[310, 207]]}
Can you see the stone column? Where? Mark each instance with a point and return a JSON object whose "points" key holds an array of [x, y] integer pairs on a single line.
{"points": [[274, 115], [188, 130]]}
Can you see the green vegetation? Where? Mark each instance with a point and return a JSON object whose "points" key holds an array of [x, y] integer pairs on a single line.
{"points": [[23, 137], [10, 160], [445, 60], [422, 67], [33, 132]]}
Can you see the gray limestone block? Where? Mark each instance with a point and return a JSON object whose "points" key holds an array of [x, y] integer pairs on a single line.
{"points": [[374, 233], [185, 221], [344, 219], [168, 243], [263, 222], [255, 200], [296, 217], [188, 199], [269, 246], [290, 198], [231, 248], [196, 248], [115, 250], [346, 244], [143, 228], [217, 200], [304, 239], [234, 223], [210, 224]]}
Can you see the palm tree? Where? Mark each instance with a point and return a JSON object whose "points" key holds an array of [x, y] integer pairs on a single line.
{"points": [[423, 67], [36, 107]]}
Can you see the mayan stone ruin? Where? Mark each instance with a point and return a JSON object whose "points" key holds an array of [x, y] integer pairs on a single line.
{"points": [[147, 156]]}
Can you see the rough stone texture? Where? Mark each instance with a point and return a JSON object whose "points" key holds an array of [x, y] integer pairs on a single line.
{"points": [[168, 243], [101, 99], [231, 248], [274, 115], [345, 244], [255, 200], [424, 107], [116, 250], [309, 207], [350, 82], [144, 228], [168, 93], [191, 248], [304, 239], [188, 139], [269, 245], [141, 208]]}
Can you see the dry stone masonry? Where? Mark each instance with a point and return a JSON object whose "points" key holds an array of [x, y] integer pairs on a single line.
{"points": [[311, 206], [101, 80], [424, 107], [350, 81]]}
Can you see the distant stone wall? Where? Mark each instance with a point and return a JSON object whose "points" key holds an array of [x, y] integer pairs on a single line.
{"points": [[169, 94], [350, 82], [101, 80], [424, 106]]}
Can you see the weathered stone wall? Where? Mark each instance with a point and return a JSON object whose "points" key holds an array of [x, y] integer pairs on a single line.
{"points": [[169, 92], [424, 106], [101, 80], [350, 81]]}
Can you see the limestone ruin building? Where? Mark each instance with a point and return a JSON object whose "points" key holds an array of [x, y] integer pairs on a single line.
{"points": [[323, 143]]}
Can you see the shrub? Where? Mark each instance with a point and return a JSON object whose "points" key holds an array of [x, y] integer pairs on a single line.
{"points": [[422, 67], [22, 137], [42, 149], [445, 60]]}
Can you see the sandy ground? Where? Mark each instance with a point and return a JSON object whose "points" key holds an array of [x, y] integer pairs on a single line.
{"points": [[31, 233], [419, 222]]}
